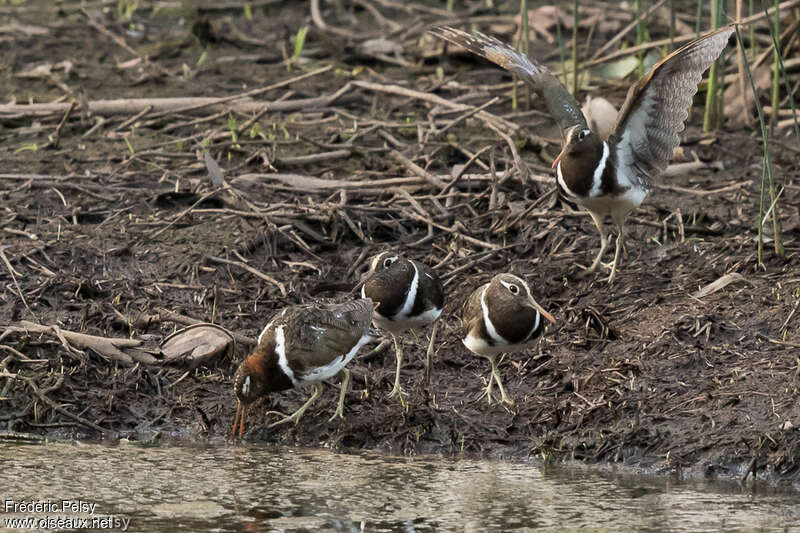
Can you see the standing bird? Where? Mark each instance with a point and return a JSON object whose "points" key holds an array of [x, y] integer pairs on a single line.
{"points": [[502, 317], [302, 344], [613, 177], [409, 295]]}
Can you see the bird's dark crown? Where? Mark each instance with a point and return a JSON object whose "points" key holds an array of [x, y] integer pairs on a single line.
{"points": [[388, 281], [579, 139], [510, 305], [386, 260]]}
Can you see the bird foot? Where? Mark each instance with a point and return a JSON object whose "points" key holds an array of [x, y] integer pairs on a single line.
{"points": [[294, 417], [398, 391], [338, 413]]}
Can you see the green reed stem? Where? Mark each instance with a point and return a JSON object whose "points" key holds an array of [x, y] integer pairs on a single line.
{"points": [[561, 56], [753, 43], [710, 118], [776, 56], [524, 42], [699, 16], [671, 25], [767, 170], [575, 72], [523, 45], [637, 6]]}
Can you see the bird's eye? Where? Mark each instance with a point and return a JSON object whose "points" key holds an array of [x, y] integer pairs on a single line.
{"points": [[513, 289], [583, 134], [388, 261]]}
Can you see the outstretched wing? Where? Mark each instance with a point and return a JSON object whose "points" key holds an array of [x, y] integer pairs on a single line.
{"points": [[657, 106], [562, 106]]}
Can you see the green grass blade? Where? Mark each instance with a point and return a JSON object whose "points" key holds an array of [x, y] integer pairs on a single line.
{"points": [[779, 250]]}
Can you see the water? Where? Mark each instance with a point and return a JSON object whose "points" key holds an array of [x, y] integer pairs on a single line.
{"points": [[259, 488]]}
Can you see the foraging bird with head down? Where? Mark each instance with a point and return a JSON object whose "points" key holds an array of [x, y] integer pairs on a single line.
{"points": [[303, 344], [409, 295], [612, 177], [502, 317]]}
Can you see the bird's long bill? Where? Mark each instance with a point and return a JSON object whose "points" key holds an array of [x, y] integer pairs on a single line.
{"points": [[238, 419], [544, 313], [557, 160]]}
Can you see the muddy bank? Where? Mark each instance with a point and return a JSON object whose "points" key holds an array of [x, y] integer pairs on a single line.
{"points": [[112, 224]]}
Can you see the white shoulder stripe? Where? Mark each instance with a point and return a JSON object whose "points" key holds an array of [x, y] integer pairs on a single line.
{"points": [[280, 347], [597, 179], [562, 182], [496, 337], [411, 297]]}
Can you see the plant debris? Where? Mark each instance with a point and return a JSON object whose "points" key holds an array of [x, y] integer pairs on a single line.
{"points": [[174, 184]]}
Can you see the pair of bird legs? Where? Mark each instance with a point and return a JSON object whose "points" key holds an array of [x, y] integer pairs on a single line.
{"points": [[297, 415], [620, 223], [397, 390], [495, 376]]}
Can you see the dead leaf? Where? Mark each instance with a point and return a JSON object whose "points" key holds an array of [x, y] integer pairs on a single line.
{"points": [[198, 344], [372, 47], [718, 285], [25, 29]]}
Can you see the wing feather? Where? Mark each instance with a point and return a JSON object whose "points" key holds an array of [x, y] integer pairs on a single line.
{"points": [[323, 333], [561, 104], [656, 108]]}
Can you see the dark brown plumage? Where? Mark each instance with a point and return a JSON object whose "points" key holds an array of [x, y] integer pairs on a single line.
{"points": [[302, 344], [500, 317], [409, 295], [613, 177]]}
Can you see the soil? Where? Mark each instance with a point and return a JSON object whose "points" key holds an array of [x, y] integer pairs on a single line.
{"points": [[114, 228]]}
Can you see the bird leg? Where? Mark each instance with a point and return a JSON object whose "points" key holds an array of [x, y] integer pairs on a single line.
{"points": [[429, 355], [598, 221], [503, 396], [620, 244], [397, 389], [490, 386], [340, 406], [238, 419], [297, 415]]}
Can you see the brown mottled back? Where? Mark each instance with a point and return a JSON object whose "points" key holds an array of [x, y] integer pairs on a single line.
{"points": [[322, 332]]}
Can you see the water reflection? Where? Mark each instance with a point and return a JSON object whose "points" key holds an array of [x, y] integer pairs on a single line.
{"points": [[259, 488]]}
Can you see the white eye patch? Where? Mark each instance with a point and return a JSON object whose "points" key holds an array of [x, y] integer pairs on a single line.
{"points": [[512, 288]]}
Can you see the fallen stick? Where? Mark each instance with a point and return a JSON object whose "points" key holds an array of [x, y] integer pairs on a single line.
{"points": [[252, 270], [418, 170], [312, 158], [435, 99], [133, 106], [54, 406], [301, 182], [106, 347]]}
